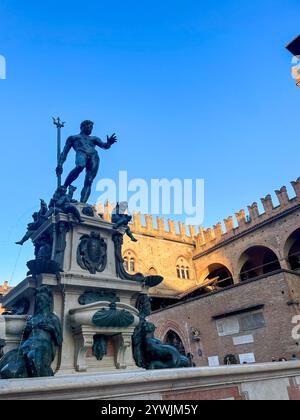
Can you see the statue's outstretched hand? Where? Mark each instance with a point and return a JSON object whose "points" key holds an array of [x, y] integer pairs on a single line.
{"points": [[59, 170], [112, 139]]}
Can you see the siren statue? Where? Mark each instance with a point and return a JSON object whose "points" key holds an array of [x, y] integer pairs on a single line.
{"points": [[41, 339]]}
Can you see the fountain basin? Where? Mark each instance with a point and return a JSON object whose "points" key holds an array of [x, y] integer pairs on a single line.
{"points": [[115, 320], [13, 324], [11, 330], [86, 315]]}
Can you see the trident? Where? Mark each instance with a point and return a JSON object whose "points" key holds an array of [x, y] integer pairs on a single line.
{"points": [[59, 124]]}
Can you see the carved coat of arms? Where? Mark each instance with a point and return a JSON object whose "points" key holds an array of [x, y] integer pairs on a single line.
{"points": [[92, 253]]}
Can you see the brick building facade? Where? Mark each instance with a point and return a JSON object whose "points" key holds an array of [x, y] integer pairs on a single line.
{"points": [[229, 292], [232, 290], [249, 320], [4, 289]]}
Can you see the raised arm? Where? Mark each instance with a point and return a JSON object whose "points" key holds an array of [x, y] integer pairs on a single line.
{"points": [[110, 141]]}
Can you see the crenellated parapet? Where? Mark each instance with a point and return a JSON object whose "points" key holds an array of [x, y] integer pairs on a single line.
{"points": [[208, 238], [267, 203], [205, 239], [229, 224], [208, 235], [253, 211], [169, 229], [296, 186], [241, 218], [282, 196], [105, 210], [159, 227], [218, 231]]}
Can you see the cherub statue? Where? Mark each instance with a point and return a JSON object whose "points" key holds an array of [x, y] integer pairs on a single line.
{"points": [[71, 192], [62, 201], [38, 219], [121, 219]]}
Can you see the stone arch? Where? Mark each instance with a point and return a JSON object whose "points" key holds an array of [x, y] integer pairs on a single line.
{"points": [[291, 250], [257, 260], [173, 339], [237, 259], [152, 271], [171, 325], [130, 251], [220, 273], [289, 230], [204, 269]]}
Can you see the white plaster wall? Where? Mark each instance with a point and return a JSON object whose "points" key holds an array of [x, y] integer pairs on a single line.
{"points": [[270, 390]]}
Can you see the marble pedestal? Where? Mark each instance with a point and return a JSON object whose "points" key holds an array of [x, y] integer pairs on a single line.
{"points": [[71, 285]]}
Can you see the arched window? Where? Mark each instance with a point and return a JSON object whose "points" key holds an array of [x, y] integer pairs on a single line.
{"points": [[132, 265], [173, 339], [248, 271], [130, 261], [257, 261], [152, 272], [218, 278], [126, 265], [292, 250], [183, 269]]}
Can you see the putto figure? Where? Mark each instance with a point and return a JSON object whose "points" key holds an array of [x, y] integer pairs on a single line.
{"points": [[87, 157], [121, 219], [62, 201], [38, 219]]}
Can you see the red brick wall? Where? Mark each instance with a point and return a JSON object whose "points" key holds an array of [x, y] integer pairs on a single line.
{"points": [[230, 393], [274, 340]]}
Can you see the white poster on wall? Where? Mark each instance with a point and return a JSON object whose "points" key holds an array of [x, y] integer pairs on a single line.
{"points": [[213, 361], [245, 339], [247, 358]]}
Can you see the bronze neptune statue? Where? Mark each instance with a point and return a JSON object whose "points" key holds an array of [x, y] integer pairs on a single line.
{"points": [[87, 157]]}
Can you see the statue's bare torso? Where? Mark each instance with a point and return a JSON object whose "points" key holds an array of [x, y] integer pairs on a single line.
{"points": [[85, 144]]}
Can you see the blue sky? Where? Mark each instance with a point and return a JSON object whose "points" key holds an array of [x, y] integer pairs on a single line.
{"points": [[194, 89]]}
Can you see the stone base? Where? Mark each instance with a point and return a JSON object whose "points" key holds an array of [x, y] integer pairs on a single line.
{"points": [[273, 381], [90, 285], [76, 352]]}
